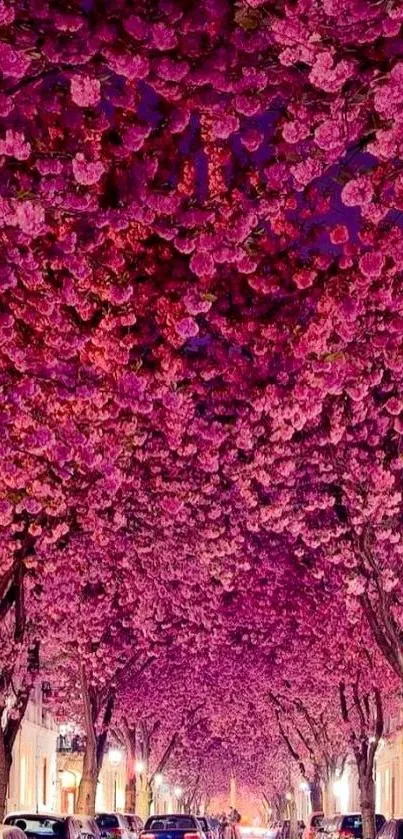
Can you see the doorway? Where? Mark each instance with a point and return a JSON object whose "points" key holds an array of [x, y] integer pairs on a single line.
{"points": [[69, 801]]}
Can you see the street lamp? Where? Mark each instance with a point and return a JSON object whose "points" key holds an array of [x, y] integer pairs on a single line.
{"points": [[115, 757], [140, 767], [178, 792], [158, 779]]}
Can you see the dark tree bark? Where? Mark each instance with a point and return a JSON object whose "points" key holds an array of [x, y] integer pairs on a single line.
{"points": [[147, 791], [12, 603], [130, 741], [8, 736], [293, 817], [97, 712], [365, 731], [315, 791], [93, 755], [308, 742]]}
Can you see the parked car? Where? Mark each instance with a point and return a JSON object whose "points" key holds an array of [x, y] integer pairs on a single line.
{"points": [[203, 826], [88, 827], [349, 826], [392, 829], [207, 827], [283, 829], [215, 826], [172, 827], [127, 825], [135, 822], [326, 827], [8, 831], [314, 822], [43, 825]]}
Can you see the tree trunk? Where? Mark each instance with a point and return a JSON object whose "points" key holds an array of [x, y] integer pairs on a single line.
{"points": [[8, 736], [369, 706], [316, 793], [292, 809], [5, 766], [280, 809], [130, 739], [150, 796], [329, 798], [130, 794], [143, 792], [88, 785], [367, 804]]}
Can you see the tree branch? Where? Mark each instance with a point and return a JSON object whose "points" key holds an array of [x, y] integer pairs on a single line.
{"points": [[14, 722], [294, 754], [167, 754], [102, 737], [89, 721]]}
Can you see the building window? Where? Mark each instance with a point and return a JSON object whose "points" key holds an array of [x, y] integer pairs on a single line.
{"points": [[45, 781]]}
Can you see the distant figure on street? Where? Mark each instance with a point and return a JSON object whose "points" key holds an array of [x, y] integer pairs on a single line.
{"points": [[234, 819], [225, 826]]}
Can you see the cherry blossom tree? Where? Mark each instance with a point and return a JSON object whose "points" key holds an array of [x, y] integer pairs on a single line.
{"points": [[157, 714], [201, 311]]}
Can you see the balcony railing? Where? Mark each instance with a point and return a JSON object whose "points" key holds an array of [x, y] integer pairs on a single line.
{"points": [[67, 744]]}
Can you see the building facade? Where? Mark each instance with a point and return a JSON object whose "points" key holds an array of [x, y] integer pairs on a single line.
{"points": [[33, 777], [47, 765], [389, 768]]}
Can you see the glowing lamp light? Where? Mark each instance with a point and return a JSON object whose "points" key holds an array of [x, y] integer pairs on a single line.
{"points": [[114, 757], [68, 779], [140, 767], [304, 787], [158, 779], [337, 787], [288, 796], [178, 792]]}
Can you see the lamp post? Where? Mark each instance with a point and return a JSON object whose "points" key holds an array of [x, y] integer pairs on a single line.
{"points": [[115, 757]]}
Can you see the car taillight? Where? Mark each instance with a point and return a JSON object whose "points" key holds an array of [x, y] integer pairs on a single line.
{"points": [[148, 836], [346, 834], [191, 835], [116, 831]]}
